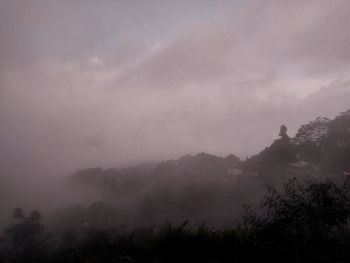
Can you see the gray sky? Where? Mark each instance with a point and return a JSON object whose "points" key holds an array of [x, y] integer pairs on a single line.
{"points": [[85, 83]]}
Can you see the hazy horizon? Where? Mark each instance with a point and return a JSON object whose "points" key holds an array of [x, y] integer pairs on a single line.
{"points": [[113, 83]]}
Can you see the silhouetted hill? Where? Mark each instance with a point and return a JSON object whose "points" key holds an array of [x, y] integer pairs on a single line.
{"points": [[200, 187], [307, 206], [322, 145], [203, 165], [213, 188]]}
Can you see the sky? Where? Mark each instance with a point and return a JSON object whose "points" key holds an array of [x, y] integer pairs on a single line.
{"points": [[88, 83]]}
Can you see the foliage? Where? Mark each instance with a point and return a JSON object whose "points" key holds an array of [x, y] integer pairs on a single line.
{"points": [[306, 222], [304, 218], [25, 240]]}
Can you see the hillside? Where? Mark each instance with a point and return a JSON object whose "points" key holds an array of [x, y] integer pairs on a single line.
{"points": [[210, 188]]}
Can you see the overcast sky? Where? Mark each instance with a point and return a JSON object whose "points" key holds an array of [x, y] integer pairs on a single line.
{"points": [[86, 83]]}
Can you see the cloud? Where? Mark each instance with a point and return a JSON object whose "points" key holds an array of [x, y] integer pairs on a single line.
{"points": [[72, 97]]}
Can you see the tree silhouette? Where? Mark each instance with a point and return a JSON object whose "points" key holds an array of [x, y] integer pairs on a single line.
{"points": [[301, 218], [25, 240]]}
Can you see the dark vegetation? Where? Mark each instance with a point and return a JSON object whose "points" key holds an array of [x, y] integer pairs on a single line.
{"points": [[289, 203]]}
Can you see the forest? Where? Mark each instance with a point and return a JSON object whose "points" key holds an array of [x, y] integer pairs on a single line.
{"points": [[290, 203]]}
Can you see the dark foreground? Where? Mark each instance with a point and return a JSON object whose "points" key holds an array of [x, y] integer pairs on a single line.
{"points": [[306, 222]]}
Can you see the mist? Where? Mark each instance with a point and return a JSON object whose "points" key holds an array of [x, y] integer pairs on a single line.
{"points": [[116, 84], [111, 91]]}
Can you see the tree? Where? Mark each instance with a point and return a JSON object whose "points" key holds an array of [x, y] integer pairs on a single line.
{"points": [[283, 132], [25, 240], [302, 217]]}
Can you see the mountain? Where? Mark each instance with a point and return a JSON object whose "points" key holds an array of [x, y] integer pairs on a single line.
{"points": [[320, 148], [201, 186], [202, 165], [210, 188], [322, 143]]}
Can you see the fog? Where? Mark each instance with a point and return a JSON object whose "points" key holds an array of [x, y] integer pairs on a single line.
{"points": [[115, 83], [121, 83], [118, 116]]}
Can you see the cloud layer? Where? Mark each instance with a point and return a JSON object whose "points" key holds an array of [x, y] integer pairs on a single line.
{"points": [[86, 84]]}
